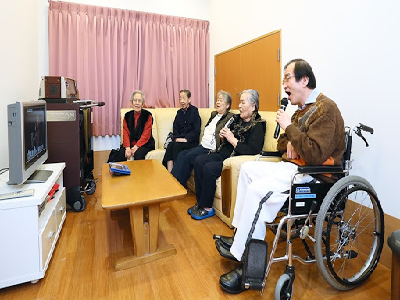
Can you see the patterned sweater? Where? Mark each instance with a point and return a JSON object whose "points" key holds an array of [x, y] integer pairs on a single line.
{"points": [[316, 133]]}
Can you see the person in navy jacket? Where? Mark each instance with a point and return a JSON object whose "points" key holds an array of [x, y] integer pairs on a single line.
{"points": [[186, 130]]}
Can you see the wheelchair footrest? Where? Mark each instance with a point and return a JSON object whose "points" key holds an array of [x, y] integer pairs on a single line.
{"points": [[255, 264], [254, 285]]}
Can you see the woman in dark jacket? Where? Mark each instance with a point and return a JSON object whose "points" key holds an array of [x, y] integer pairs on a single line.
{"points": [[244, 137], [186, 130], [211, 140], [137, 135]]}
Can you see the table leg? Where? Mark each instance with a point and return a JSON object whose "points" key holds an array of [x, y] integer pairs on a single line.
{"points": [[138, 230], [154, 216], [145, 238]]}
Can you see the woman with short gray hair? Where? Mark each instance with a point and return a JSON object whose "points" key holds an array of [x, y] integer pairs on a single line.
{"points": [[137, 129], [244, 137]]}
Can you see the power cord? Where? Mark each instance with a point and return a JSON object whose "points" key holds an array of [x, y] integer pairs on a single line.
{"points": [[3, 170]]}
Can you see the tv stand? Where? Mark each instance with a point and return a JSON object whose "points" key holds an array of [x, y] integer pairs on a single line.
{"points": [[30, 227], [39, 176]]}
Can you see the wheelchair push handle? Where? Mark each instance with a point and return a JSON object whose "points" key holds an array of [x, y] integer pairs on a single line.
{"points": [[361, 127], [366, 128]]}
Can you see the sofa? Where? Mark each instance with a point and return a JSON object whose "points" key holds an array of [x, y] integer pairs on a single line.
{"points": [[225, 195]]}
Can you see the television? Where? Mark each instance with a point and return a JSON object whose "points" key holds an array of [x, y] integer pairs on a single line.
{"points": [[27, 141]]}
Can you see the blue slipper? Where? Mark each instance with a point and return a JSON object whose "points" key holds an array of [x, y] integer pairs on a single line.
{"points": [[194, 207], [201, 213]]}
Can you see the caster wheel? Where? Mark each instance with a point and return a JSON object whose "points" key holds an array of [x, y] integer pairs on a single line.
{"points": [[282, 289], [79, 205]]}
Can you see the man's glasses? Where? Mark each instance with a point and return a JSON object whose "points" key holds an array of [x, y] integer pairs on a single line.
{"points": [[286, 78]]}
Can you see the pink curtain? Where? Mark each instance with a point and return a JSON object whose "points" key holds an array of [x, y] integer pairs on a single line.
{"points": [[111, 52]]}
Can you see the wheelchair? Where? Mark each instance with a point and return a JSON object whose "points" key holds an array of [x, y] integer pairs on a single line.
{"points": [[340, 213]]}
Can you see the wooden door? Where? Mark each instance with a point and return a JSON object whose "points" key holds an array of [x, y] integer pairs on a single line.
{"points": [[253, 65], [260, 69], [227, 76]]}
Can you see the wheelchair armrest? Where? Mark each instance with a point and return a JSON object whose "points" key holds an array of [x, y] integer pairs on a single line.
{"points": [[274, 155], [271, 153], [319, 169]]}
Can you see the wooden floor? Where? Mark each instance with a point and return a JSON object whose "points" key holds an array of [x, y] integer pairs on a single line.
{"points": [[91, 241]]}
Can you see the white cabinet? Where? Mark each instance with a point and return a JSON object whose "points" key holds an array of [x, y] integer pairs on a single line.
{"points": [[27, 239]]}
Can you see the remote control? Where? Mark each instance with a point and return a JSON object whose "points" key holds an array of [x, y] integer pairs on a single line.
{"points": [[17, 194]]}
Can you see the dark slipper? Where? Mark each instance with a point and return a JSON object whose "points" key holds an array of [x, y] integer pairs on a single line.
{"points": [[223, 251], [231, 282]]}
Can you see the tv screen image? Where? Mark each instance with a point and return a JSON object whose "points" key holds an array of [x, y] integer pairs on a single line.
{"points": [[34, 133]]}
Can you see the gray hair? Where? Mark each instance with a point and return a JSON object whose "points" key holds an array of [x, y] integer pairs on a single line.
{"points": [[138, 92], [227, 98], [253, 97]]}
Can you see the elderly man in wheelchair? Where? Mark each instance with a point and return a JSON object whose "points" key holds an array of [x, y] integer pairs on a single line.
{"points": [[316, 159]]}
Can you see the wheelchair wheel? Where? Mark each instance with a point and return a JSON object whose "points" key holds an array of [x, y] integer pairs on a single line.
{"points": [[349, 233], [282, 290]]}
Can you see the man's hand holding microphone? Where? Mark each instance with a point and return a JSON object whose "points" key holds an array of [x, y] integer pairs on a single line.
{"points": [[283, 120]]}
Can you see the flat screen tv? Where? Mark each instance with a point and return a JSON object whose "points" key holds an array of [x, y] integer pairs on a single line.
{"points": [[27, 141]]}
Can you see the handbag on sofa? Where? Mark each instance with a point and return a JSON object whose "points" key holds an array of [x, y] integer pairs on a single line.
{"points": [[168, 140], [117, 155]]}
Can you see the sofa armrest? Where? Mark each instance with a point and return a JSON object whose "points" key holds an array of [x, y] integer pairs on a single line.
{"points": [[229, 180]]}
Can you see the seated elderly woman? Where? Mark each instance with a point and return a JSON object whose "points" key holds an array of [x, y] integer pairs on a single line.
{"points": [[244, 137], [137, 135], [211, 140], [186, 130]]}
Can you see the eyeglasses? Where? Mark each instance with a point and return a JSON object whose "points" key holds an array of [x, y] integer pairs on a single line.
{"points": [[136, 100], [286, 78]]}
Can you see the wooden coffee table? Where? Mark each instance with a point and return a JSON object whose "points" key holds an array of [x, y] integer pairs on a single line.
{"points": [[142, 191]]}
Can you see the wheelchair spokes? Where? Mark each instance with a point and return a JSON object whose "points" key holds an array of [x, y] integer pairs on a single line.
{"points": [[353, 238]]}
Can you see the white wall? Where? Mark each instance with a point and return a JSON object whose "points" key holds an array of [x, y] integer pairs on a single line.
{"points": [[354, 50], [196, 9], [18, 61]]}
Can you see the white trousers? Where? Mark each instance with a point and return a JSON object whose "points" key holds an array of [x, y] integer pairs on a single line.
{"points": [[256, 179]]}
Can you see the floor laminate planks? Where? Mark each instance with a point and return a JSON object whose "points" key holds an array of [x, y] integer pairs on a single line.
{"points": [[82, 266]]}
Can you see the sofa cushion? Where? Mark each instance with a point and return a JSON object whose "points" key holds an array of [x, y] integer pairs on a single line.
{"points": [[165, 121], [269, 142]]}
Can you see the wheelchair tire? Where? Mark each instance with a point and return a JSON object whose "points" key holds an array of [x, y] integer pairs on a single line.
{"points": [[281, 288], [349, 233]]}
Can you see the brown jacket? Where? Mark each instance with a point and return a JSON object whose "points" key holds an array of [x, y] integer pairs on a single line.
{"points": [[316, 133]]}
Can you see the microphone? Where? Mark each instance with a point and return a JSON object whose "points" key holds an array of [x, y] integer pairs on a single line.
{"points": [[284, 103], [230, 121], [92, 104]]}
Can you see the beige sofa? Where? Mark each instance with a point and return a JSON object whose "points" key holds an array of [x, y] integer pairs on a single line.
{"points": [[225, 195]]}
